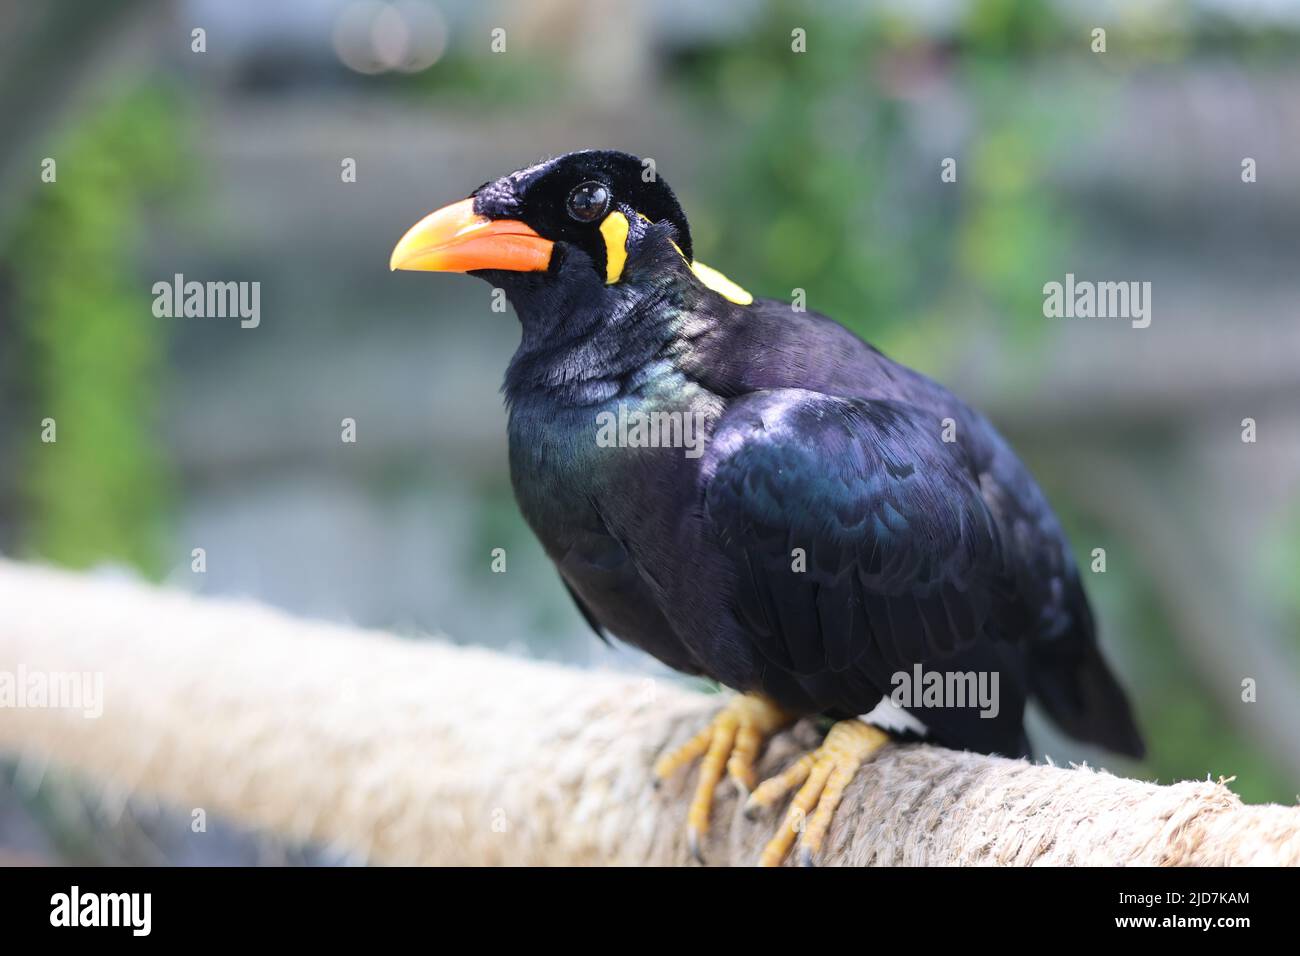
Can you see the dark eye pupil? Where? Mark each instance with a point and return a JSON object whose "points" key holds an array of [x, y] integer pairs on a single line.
{"points": [[588, 201]]}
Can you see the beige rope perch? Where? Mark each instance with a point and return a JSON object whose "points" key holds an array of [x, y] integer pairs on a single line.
{"points": [[420, 752]]}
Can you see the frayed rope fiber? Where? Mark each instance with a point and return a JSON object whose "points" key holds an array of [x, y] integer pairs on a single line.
{"points": [[419, 752]]}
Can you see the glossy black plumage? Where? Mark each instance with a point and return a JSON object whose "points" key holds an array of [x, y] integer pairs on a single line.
{"points": [[917, 549]]}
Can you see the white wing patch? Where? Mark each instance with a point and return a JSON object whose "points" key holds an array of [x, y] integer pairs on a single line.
{"points": [[889, 716]]}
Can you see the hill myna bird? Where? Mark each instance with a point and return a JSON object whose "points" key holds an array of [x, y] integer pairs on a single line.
{"points": [[752, 493]]}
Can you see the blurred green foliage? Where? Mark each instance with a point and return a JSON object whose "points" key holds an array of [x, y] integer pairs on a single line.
{"points": [[1280, 573], [95, 355], [1187, 736], [482, 82], [823, 191]]}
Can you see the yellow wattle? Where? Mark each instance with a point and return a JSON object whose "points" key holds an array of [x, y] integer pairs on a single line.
{"points": [[616, 236], [720, 284], [614, 229]]}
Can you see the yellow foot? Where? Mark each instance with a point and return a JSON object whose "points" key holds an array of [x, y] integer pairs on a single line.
{"points": [[731, 740], [824, 774]]}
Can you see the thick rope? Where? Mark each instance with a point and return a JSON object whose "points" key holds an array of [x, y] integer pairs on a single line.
{"points": [[421, 752]]}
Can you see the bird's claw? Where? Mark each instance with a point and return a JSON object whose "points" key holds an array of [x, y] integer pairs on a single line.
{"points": [[821, 777], [730, 742], [693, 845]]}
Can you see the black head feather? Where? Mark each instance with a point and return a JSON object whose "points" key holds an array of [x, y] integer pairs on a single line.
{"points": [[540, 196]]}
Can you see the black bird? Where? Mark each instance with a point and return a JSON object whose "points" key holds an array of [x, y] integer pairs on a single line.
{"points": [[752, 493]]}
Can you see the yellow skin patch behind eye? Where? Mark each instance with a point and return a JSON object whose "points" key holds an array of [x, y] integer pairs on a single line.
{"points": [[715, 280], [614, 229], [720, 284]]}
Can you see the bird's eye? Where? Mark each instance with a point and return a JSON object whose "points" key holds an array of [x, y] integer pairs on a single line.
{"points": [[588, 202]]}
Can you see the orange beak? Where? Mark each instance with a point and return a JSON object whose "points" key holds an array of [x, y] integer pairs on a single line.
{"points": [[456, 239]]}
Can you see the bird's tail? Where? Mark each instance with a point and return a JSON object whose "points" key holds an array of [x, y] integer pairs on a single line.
{"points": [[1074, 684]]}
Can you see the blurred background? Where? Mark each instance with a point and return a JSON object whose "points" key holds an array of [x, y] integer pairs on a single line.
{"points": [[817, 171]]}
